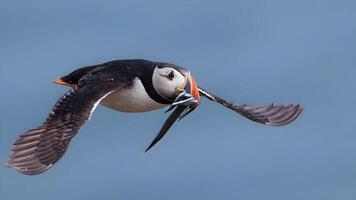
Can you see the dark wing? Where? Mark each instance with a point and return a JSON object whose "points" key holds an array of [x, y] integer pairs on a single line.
{"points": [[274, 115], [38, 149]]}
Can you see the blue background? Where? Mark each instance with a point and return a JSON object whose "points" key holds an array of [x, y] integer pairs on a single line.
{"points": [[254, 52]]}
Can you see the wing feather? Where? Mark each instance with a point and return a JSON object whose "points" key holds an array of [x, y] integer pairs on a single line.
{"points": [[38, 149], [274, 115]]}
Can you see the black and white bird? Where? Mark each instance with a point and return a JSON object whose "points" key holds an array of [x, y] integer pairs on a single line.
{"points": [[126, 86]]}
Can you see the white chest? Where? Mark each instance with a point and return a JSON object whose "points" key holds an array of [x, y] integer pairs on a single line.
{"points": [[132, 98]]}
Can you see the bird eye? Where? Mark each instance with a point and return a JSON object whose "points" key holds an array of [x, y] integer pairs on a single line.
{"points": [[170, 76]]}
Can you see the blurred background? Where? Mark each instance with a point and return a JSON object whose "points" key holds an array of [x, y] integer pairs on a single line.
{"points": [[254, 52]]}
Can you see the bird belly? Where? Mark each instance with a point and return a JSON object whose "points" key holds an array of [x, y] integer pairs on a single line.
{"points": [[132, 98]]}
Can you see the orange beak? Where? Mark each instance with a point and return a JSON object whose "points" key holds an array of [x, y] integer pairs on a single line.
{"points": [[61, 82], [192, 88]]}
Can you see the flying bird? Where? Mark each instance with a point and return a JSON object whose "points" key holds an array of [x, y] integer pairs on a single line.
{"points": [[126, 86]]}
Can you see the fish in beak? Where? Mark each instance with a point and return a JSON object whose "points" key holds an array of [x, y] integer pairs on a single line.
{"points": [[187, 100]]}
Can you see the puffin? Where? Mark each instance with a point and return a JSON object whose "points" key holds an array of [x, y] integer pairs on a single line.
{"points": [[134, 86]]}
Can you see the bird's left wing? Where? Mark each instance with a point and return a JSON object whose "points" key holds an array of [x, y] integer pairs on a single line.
{"points": [[38, 149], [274, 115]]}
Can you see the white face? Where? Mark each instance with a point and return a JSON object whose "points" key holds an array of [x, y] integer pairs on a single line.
{"points": [[166, 80]]}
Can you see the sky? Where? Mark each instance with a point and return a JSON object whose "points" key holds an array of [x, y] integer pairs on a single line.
{"points": [[253, 52]]}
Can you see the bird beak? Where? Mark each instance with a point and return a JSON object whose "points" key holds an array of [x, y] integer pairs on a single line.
{"points": [[61, 82], [192, 87]]}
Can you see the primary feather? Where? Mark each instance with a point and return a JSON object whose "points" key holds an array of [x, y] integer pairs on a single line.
{"points": [[38, 149], [274, 115]]}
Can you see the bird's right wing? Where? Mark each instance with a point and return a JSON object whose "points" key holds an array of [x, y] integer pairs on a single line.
{"points": [[38, 149], [274, 115]]}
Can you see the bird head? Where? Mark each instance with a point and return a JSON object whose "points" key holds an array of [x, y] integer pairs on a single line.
{"points": [[170, 81]]}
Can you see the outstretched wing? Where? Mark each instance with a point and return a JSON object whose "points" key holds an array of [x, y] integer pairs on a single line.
{"points": [[38, 149], [274, 115]]}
